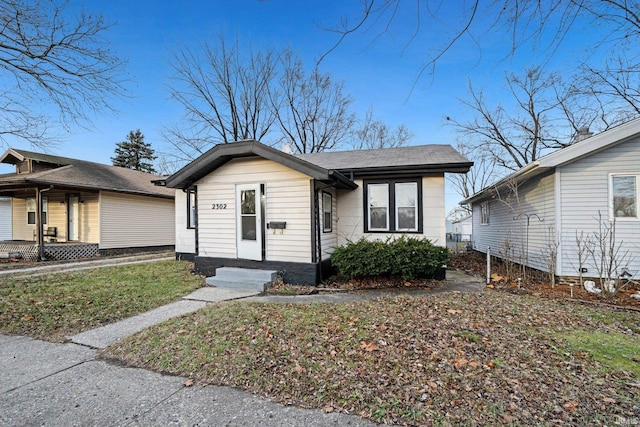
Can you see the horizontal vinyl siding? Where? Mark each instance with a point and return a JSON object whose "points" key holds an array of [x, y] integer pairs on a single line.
{"points": [[351, 213], [506, 232], [329, 240], [287, 196], [21, 231], [6, 231], [135, 221], [585, 192], [185, 237], [89, 217], [57, 214]]}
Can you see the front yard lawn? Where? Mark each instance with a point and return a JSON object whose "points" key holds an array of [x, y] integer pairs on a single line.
{"points": [[54, 305], [487, 358]]}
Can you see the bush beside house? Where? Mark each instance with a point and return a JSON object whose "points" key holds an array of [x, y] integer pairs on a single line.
{"points": [[405, 257]]}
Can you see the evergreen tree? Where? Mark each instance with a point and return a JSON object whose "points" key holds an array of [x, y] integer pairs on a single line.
{"points": [[134, 153]]}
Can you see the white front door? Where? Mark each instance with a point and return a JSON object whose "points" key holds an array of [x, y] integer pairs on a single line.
{"points": [[249, 221], [74, 229]]}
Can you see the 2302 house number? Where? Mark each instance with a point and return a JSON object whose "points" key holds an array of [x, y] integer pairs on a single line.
{"points": [[219, 206]]}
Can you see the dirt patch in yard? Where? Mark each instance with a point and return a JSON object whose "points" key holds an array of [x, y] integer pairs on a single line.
{"points": [[538, 284]]}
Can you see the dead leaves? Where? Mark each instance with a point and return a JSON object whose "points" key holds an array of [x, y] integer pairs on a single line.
{"points": [[368, 347]]}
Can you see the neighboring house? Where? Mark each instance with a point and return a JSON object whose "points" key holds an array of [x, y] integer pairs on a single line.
{"points": [[535, 215], [5, 218], [111, 209], [245, 204], [463, 228]]}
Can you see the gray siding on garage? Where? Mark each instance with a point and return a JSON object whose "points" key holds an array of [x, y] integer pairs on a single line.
{"points": [[506, 232], [584, 186]]}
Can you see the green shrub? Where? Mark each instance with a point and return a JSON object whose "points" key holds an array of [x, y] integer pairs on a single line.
{"points": [[407, 257]]}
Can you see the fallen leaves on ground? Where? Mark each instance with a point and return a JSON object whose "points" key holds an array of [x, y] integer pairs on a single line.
{"points": [[537, 282], [484, 358]]}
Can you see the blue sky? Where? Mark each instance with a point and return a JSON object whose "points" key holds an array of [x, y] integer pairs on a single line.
{"points": [[378, 74]]}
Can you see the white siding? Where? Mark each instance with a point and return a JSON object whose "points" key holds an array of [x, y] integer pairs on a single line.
{"points": [[135, 221], [185, 237], [329, 240], [585, 192], [506, 233], [287, 197], [351, 213], [6, 232]]}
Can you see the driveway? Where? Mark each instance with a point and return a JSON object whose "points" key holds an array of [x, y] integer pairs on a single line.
{"points": [[48, 384]]}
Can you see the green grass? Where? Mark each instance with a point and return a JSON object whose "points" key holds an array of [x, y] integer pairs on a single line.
{"points": [[54, 305], [615, 350], [459, 359]]}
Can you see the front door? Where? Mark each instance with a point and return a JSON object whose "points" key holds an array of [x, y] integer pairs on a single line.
{"points": [[249, 221], [74, 229]]}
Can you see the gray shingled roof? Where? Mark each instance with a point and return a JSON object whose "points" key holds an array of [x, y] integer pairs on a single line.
{"points": [[421, 155], [82, 174]]}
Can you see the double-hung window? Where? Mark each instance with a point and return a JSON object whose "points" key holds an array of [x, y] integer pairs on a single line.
{"points": [[624, 196], [32, 208], [327, 212], [484, 213], [393, 205], [191, 209]]}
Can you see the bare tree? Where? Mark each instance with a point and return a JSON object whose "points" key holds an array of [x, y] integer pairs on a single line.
{"points": [[546, 25], [312, 109], [616, 86], [48, 58], [481, 174], [517, 136], [225, 95], [372, 133]]}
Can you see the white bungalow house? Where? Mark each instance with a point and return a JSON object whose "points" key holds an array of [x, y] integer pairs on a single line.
{"points": [[245, 204], [537, 215]]}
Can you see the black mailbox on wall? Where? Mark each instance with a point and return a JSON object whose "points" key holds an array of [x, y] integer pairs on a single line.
{"points": [[277, 225]]}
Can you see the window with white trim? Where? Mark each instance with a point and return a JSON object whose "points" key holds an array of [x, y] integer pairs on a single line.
{"points": [[327, 212], [484, 213], [191, 209], [624, 196], [393, 205], [32, 208]]}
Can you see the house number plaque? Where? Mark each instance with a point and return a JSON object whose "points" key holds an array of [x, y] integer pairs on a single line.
{"points": [[219, 206]]}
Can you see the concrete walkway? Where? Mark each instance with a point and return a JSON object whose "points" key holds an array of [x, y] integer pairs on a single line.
{"points": [[49, 384]]}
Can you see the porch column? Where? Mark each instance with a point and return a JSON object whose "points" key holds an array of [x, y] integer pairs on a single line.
{"points": [[39, 225], [39, 233]]}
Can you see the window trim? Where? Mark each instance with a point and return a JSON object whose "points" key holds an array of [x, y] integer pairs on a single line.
{"points": [[192, 209], [45, 211], [485, 217], [391, 205], [612, 216], [325, 228]]}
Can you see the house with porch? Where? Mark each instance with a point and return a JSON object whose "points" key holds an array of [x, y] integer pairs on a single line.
{"points": [[62, 208], [544, 214], [245, 204]]}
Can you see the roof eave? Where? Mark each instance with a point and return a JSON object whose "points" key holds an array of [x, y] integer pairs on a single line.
{"points": [[462, 167], [528, 171], [222, 153]]}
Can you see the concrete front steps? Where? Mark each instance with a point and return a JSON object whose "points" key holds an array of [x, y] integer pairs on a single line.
{"points": [[245, 279]]}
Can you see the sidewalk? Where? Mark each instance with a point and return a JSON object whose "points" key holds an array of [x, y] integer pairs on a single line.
{"points": [[43, 383]]}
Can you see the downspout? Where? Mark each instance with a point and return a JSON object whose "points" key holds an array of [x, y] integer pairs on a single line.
{"points": [[318, 231], [39, 222]]}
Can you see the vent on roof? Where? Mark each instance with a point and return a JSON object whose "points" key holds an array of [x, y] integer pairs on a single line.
{"points": [[582, 134]]}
